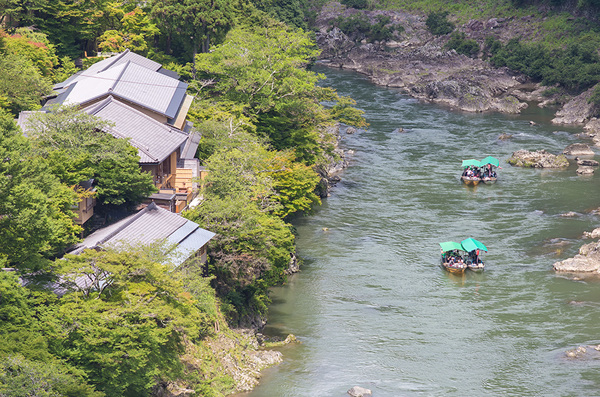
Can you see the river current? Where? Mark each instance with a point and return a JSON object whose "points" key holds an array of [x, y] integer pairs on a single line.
{"points": [[372, 307]]}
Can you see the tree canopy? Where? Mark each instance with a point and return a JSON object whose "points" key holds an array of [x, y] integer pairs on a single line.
{"points": [[77, 148], [35, 207]]}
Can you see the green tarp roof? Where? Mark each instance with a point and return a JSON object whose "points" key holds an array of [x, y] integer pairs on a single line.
{"points": [[471, 244], [473, 162], [450, 246], [490, 160]]}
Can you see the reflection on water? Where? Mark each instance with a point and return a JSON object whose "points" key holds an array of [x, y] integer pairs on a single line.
{"points": [[371, 305]]}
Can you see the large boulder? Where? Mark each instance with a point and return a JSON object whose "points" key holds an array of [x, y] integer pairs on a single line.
{"points": [[577, 111], [587, 261], [578, 149], [593, 234], [585, 170], [537, 159], [358, 391], [587, 162]]}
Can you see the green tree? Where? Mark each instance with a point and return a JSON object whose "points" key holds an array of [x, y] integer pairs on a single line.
{"points": [[77, 148], [34, 46], [168, 12], [20, 377], [206, 22], [262, 67], [127, 329], [21, 84], [295, 186], [35, 208], [136, 29], [438, 24], [252, 248], [27, 368]]}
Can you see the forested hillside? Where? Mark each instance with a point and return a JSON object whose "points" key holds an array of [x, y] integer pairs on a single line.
{"points": [[141, 328]]}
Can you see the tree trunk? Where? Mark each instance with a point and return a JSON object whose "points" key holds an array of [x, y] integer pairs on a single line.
{"points": [[169, 38]]}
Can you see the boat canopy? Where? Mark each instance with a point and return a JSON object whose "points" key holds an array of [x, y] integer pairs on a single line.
{"points": [[471, 244], [490, 160], [451, 246], [471, 162]]}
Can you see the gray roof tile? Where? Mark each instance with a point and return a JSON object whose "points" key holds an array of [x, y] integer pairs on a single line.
{"points": [[151, 225], [116, 60], [155, 141], [132, 82]]}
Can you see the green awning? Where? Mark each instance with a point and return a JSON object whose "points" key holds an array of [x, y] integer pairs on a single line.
{"points": [[490, 160], [473, 162], [451, 246], [471, 244]]}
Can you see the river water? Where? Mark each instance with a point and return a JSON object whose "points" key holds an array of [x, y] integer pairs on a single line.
{"points": [[372, 307]]}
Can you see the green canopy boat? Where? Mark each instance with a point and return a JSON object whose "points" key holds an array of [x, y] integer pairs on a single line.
{"points": [[471, 162], [451, 246], [471, 174], [452, 260], [490, 160], [471, 244], [488, 174], [473, 247]]}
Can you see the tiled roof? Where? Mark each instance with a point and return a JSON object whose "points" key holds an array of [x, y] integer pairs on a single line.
{"points": [[155, 141], [23, 119], [105, 64], [132, 82], [149, 226]]}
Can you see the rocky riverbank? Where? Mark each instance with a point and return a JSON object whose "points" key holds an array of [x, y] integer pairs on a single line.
{"points": [[418, 63]]}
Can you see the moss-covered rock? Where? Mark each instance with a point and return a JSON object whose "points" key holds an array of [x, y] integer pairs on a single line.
{"points": [[538, 159]]}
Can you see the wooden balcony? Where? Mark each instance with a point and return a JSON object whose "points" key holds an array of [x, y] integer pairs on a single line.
{"points": [[166, 181]]}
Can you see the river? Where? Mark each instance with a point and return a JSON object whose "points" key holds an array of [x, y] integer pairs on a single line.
{"points": [[372, 307]]}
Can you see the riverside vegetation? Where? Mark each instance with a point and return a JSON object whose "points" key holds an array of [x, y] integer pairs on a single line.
{"points": [[265, 133], [148, 330]]}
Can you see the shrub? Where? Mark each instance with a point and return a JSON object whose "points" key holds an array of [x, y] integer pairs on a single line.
{"points": [[576, 68], [438, 24], [462, 45], [359, 26], [357, 23], [358, 4]]}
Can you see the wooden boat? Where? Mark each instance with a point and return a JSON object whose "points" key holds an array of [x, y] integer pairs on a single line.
{"points": [[455, 267], [470, 175], [476, 267], [451, 258], [473, 249], [470, 180], [488, 173]]}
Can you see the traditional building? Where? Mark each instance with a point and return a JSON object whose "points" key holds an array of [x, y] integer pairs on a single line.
{"points": [[153, 225]]}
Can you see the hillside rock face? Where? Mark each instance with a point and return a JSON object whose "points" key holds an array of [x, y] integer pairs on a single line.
{"points": [[418, 63], [422, 66]]}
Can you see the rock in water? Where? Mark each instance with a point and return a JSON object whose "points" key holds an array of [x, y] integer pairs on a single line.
{"points": [[358, 391], [587, 261], [350, 130], [583, 170], [587, 163], [538, 159], [578, 149]]}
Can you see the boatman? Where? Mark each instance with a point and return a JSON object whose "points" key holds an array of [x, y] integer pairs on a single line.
{"points": [[477, 256]]}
